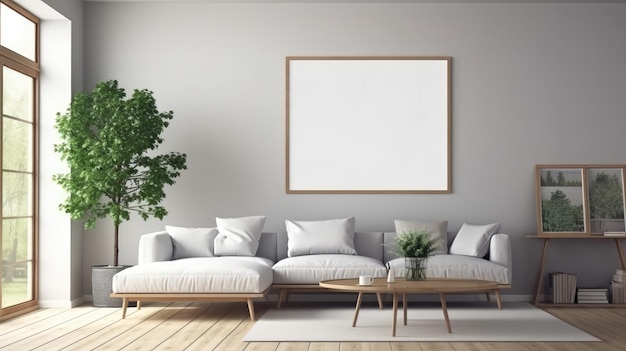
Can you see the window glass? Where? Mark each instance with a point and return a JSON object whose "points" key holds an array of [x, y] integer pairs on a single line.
{"points": [[16, 194], [17, 145], [17, 32], [17, 268], [17, 98]]}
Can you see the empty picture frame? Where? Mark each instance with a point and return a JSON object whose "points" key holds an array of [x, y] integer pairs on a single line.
{"points": [[368, 125]]}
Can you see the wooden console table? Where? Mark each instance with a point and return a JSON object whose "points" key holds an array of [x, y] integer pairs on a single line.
{"points": [[546, 241]]}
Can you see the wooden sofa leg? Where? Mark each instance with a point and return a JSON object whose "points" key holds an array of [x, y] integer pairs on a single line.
{"points": [[497, 292], [488, 297], [251, 309], [380, 300], [138, 305], [124, 306], [282, 295]]}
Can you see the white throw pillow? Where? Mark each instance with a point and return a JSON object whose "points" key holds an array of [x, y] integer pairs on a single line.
{"points": [[191, 242], [437, 230], [238, 236], [473, 240], [333, 236]]}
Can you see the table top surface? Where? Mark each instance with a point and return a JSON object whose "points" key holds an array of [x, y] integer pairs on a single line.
{"points": [[411, 286], [574, 236]]}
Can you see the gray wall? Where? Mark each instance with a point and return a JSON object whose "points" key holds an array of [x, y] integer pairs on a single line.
{"points": [[532, 83]]}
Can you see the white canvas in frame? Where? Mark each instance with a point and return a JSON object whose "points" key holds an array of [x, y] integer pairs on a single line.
{"points": [[368, 124]]}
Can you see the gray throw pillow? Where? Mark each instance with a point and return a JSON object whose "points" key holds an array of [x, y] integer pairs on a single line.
{"points": [[474, 240]]}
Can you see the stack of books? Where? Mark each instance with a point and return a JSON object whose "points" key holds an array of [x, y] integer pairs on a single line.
{"points": [[618, 291], [563, 287], [593, 295], [617, 234]]}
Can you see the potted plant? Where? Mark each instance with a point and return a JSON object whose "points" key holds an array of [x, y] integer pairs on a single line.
{"points": [[109, 144], [415, 246]]}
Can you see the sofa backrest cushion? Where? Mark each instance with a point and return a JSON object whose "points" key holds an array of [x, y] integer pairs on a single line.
{"points": [[191, 242], [267, 246], [366, 244], [369, 244]]}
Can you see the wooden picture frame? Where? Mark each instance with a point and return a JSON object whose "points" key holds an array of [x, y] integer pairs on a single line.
{"points": [[605, 191], [561, 200], [580, 200], [368, 125]]}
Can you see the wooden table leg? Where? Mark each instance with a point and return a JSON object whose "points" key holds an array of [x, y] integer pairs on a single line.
{"points": [[404, 306], [620, 253], [357, 309], [380, 300], [444, 307], [541, 268], [395, 314]]}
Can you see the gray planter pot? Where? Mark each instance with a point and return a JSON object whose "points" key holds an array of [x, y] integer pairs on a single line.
{"points": [[101, 285]]}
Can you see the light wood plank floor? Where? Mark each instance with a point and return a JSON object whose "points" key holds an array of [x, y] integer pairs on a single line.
{"points": [[221, 326]]}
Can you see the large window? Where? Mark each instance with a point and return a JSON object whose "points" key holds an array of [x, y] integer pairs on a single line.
{"points": [[18, 91]]}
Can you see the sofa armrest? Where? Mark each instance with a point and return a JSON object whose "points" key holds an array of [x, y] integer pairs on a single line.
{"points": [[500, 252], [155, 247]]}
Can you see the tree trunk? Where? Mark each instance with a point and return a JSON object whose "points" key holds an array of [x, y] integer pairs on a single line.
{"points": [[115, 245]]}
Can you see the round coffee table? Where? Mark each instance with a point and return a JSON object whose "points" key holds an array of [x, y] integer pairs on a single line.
{"points": [[402, 286]]}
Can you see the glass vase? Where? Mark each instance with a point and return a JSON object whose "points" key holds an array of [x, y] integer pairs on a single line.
{"points": [[415, 268]]}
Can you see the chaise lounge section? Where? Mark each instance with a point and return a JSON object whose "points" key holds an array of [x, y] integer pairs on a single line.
{"points": [[158, 276]]}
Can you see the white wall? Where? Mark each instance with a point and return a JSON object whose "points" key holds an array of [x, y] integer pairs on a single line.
{"points": [[532, 83], [60, 240]]}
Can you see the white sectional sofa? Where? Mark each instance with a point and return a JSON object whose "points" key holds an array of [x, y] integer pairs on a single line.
{"points": [[289, 263]]}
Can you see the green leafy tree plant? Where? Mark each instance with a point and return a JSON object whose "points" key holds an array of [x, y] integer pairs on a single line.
{"points": [[109, 143]]}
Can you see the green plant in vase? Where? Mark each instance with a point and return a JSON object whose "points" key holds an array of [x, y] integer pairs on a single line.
{"points": [[415, 246]]}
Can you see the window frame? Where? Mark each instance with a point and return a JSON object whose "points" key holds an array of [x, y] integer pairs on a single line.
{"points": [[31, 68]]}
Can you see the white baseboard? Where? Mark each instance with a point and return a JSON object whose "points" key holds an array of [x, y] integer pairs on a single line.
{"points": [[61, 303]]}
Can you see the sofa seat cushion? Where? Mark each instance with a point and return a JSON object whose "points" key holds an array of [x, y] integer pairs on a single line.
{"points": [[459, 267], [197, 275], [311, 269]]}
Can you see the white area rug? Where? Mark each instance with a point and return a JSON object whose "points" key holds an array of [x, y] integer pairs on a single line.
{"points": [[470, 322]]}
